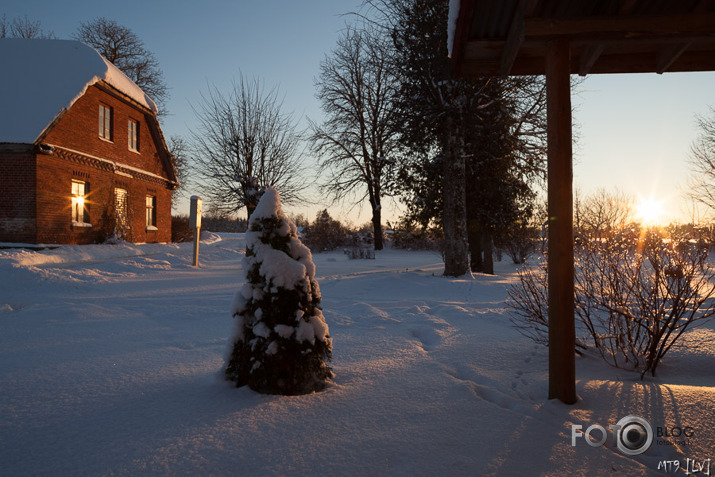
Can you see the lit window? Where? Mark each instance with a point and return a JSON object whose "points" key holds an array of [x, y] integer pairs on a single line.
{"points": [[105, 122], [133, 135], [150, 211], [79, 203], [120, 211]]}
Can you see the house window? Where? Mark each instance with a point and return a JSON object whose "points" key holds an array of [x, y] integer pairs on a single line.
{"points": [[133, 135], [151, 212], [121, 209], [80, 213], [105, 122]]}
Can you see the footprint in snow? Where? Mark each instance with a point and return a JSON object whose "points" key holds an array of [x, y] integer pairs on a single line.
{"points": [[428, 337]]}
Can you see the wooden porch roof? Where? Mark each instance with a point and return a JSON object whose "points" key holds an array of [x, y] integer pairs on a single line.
{"points": [[510, 37]]}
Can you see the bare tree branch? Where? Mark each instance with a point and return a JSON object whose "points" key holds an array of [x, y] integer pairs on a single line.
{"points": [[702, 161], [23, 27], [243, 143], [123, 48]]}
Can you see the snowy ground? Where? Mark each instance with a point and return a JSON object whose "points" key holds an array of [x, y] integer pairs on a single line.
{"points": [[109, 358]]}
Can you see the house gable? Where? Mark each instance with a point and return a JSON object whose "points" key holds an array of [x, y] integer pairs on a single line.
{"points": [[76, 132]]}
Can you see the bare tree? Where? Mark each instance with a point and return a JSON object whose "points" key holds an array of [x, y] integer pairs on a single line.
{"points": [[244, 143], [602, 213], [123, 48], [702, 161], [358, 141], [22, 27], [179, 150]]}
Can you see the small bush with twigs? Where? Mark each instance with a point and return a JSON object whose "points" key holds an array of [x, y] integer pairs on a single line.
{"points": [[635, 296]]}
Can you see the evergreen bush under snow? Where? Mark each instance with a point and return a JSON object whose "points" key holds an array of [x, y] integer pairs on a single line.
{"points": [[281, 342]]}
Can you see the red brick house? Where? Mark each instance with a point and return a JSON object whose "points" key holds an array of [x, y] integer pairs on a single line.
{"points": [[82, 155]]}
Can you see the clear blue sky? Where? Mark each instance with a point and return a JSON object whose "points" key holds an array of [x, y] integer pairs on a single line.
{"points": [[634, 130]]}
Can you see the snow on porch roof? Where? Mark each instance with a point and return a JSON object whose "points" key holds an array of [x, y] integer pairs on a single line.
{"points": [[42, 78]]}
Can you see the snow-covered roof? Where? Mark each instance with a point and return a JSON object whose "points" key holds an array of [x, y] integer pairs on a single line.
{"points": [[41, 78]]}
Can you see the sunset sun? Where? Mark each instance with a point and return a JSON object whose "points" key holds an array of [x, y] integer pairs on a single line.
{"points": [[649, 211]]}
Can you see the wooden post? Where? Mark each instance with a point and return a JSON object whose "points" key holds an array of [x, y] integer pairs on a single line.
{"points": [[195, 223], [562, 336], [197, 238]]}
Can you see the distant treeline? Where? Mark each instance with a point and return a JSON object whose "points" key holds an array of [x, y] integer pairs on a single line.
{"points": [[181, 232]]}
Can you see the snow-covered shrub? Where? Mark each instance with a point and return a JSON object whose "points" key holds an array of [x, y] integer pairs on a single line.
{"points": [[361, 246], [364, 235], [281, 342], [634, 297], [325, 233], [360, 252]]}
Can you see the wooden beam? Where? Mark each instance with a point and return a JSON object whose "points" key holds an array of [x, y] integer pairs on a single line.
{"points": [[627, 27], [630, 63], [562, 335], [514, 39], [530, 7], [478, 24], [588, 58], [669, 57], [701, 6], [626, 7], [690, 60]]}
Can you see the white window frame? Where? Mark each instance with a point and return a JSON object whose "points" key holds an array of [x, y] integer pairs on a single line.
{"points": [[133, 135], [105, 122], [151, 212]]}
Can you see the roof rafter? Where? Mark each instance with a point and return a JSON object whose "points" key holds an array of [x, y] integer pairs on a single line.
{"points": [[670, 55], [625, 27], [588, 59], [513, 40]]}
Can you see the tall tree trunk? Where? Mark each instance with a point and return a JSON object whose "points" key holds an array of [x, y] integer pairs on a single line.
{"points": [[475, 246], [253, 196], [250, 207], [488, 247], [456, 256], [377, 227]]}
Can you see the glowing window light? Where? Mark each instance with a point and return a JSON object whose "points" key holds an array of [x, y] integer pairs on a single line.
{"points": [[78, 201]]}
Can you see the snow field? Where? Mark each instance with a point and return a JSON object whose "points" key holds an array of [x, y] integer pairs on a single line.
{"points": [[111, 356]]}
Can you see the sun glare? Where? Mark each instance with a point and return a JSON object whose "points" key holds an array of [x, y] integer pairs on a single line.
{"points": [[650, 211]]}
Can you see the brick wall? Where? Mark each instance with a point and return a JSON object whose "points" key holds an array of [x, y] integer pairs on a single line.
{"points": [[54, 201], [17, 196], [79, 130]]}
